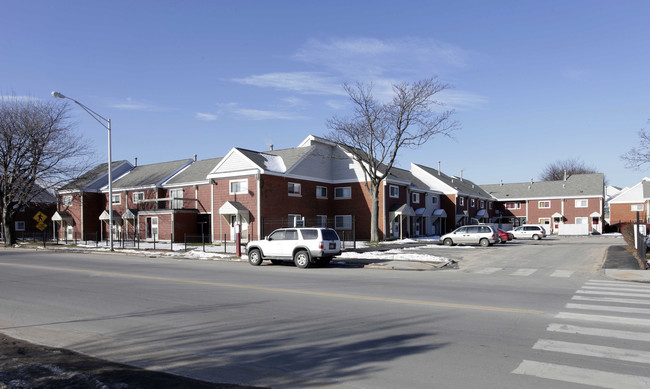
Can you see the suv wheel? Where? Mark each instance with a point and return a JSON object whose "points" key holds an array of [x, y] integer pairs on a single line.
{"points": [[536, 237], [254, 257], [484, 242], [301, 259], [448, 242]]}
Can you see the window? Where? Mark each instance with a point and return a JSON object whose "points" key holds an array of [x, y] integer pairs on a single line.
{"points": [[393, 191], [343, 222], [544, 204], [277, 235], [513, 205], [291, 235], [20, 226], [238, 186], [415, 198], [296, 220], [321, 192], [67, 201], [544, 220], [152, 227], [461, 201], [321, 220], [582, 220], [309, 234], [434, 200], [295, 189], [176, 195], [490, 204], [473, 203], [138, 196], [117, 198], [636, 207], [482, 204], [344, 192], [582, 203]]}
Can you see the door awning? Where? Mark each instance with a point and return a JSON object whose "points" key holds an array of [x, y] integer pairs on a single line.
{"points": [[481, 213], [460, 215], [62, 216], [129, 214], [234, 208], [104, 216], [595, 214], [557, 215], [403, 210], [438, 213]]}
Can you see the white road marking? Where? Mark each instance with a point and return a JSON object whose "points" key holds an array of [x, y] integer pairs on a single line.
{"points": [[609, 308], [617, 283], [524, 272], [612, 300], [579, 375], [603, 293], [562, 273], [602, 332], [616, 288], [488, 270], [604, 319], [591, 350]]}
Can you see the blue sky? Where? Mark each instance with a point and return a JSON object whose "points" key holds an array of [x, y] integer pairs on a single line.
{"points": [[533, 81]]}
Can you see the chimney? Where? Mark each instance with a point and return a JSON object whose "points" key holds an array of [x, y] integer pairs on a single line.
{"points": [[438, 167], [461, 174], [271, 146], [531, 181], [195, 157], [501, 182], [135, 161], [564, 174]]}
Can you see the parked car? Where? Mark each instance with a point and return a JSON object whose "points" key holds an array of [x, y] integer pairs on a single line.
{"points": [[304, 246], [529, 232], [504, 236], [482, 234]]}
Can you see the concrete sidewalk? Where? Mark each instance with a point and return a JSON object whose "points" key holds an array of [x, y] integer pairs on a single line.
{"points": [[621, 264]]}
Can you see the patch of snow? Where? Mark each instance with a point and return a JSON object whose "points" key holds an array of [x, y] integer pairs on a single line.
{"points": [[274, 163]]}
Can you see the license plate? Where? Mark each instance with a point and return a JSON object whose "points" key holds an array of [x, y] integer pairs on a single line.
{"points": [[332, 246]]}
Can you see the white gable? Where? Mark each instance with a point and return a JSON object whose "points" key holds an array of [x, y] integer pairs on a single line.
{"points": [[631, 195], [234, 161], [431, 180]]}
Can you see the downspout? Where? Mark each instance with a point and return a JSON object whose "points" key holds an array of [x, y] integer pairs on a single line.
{"points": [[212, 209], [83, 235], [527, 205], [259, 206], [383, 208]]}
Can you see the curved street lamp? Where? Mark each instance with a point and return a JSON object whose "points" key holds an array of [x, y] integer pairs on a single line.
{"points": [[107, 126]]}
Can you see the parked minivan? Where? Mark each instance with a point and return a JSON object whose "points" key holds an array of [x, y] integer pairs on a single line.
{"points": [[481, 234]]}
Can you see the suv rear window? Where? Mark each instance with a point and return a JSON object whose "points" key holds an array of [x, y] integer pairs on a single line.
{"points": [[329, 235], [309, 234]]}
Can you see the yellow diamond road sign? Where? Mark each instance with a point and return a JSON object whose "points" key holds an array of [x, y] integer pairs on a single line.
{"points": [[40, 217], [41, 226]]}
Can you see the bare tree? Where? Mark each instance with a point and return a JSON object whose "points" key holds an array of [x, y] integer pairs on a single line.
{"points": [[376, 132], [38, 152], [639, 155], [558, 170]]}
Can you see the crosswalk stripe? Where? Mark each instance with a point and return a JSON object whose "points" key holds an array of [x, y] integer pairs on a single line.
{"points": [[604, 319], [524, 272], [612, 300], [609, 308], [617, 283], [562, 273], [602, 332], [603, 293], [583, 376], [615, 288], [592, 350], [488, 270]]}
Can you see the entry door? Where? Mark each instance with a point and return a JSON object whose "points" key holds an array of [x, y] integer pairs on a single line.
{"points": [[396, 227], [233, 226], [70, 233]]}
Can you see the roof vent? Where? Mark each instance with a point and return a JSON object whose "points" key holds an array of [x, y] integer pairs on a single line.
{"points": [[271, 146], [135, 161], [195, 157], [438, 167]]}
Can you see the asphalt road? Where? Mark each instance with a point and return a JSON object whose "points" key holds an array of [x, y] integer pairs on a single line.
{"points": [[507, 318]]}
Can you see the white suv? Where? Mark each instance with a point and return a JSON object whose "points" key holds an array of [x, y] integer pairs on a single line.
{"points": [[474, 234], [529, 232], [305, 246]]}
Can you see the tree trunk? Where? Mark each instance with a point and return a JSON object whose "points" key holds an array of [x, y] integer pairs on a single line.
{"points": [[8, 225], [374, 213]]}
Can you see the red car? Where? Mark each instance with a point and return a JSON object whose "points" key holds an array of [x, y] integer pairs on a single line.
{"points": [[505, 236]]}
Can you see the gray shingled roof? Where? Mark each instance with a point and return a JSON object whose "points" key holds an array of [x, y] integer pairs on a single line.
{"points": [[289, 156], [92, 175], [463, 186], [406, 175], [195, 173], [577, 185], [149, 175]]}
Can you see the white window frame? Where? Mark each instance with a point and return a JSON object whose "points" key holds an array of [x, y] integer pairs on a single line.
{"points": [[321, 220], [415, 198], [637, 207], [395, 189], [66, 201], [544, 220], [490, 204], [582, 201], [461, 201], [347, 192], [295, 220], [321, 192], [137, 197], [154, 227], [19, 225], [434, 200], [119, 198], [586, 220], [242, 186], [482, 204], [176, 204], [294, 189], [541, 204], [513, 205], [343, 222], [473, 202]]}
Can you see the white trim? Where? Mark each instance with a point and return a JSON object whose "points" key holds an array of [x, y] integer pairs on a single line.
{"points": [[230, 182]]}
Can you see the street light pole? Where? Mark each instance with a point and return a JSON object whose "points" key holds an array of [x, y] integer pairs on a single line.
{"points": [[107, 126]]}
